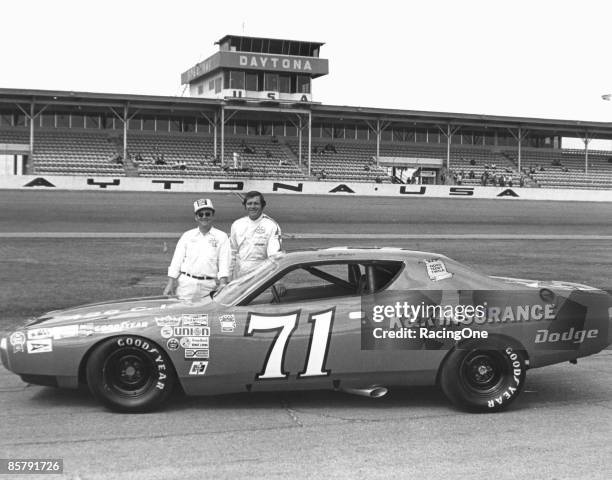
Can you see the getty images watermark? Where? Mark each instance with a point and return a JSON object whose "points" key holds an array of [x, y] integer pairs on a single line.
{"points": [[435, 320]]}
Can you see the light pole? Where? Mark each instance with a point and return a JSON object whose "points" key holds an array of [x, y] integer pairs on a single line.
{"points": [[607, 97]]}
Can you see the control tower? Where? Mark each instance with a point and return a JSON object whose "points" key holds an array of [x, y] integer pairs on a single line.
{"points": [[259, 70]]}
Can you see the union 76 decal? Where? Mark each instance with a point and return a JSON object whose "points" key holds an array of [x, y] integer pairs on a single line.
{"points": [[285, 325]]}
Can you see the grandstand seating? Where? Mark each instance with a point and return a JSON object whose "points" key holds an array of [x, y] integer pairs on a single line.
{"points": [[347, 163], [68, 152], [94, 152], [565, 169], [350, 159], [197, 153]]}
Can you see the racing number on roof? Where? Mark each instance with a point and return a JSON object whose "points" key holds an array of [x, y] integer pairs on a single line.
{"points": [[285, 325]]}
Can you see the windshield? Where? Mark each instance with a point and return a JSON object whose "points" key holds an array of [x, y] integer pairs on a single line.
{"points": [[238, 287]]}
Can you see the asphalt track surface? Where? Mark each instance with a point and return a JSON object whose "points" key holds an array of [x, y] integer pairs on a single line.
{"points": [[558, 428]]}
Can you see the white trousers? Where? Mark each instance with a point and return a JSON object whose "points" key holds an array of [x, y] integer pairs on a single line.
{"points": [[192, 289]]}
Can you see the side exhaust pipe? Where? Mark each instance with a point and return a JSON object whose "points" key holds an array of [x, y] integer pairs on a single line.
{"points": [[371, 392]]}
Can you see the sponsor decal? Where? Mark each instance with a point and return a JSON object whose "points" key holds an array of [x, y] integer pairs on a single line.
{"points": [[67, 331], [191, 353], [166, 332], [198, 368], [17, 340], [57, 333], [43, 345], [194, 320], [194, 342], [436, 269], [90, 328], [228, 323], [168, 321], [38, 333], [191, 331], [172, 344], [155, 355], [572, 335]]}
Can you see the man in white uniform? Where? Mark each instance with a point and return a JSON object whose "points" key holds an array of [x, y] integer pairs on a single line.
{"points": [[201, 259], [253, 238]]}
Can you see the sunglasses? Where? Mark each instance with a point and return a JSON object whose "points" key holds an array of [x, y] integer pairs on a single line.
{"points": [[207, 213]]}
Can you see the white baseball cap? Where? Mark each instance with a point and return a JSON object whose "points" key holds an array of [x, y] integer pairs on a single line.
{"points": [[201, 204]]}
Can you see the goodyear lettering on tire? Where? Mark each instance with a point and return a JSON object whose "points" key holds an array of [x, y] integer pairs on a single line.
{"points": [[155, 354]]}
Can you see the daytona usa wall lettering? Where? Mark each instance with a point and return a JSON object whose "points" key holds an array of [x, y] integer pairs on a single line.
{"points": [[285, 325], [142, 344], [169, 184]]}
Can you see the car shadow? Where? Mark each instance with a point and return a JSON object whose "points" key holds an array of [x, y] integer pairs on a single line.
{"points": [[396, 398]]}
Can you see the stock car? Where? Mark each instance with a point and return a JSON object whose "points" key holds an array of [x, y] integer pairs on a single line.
{"points": [[347, 319]]}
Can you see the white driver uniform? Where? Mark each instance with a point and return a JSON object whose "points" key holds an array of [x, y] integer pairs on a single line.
{"points": [[252, 241]]}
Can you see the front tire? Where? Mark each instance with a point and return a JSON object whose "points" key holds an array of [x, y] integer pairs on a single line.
{"points": [[484, 377], [130, 374]]}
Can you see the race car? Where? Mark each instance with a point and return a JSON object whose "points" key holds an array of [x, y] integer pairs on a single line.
{"points": [[357, 320]]}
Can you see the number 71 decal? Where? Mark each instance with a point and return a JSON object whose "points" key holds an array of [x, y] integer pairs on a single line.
{"points": [[285, 325]]}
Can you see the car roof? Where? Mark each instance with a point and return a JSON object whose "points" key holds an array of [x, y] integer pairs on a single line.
{"points": [[359, 253]]}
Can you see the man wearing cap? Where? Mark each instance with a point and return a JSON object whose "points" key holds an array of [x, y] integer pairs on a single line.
{"points": [[201, 259], [253, 238]]}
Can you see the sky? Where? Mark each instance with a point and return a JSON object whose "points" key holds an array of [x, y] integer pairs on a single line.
{"points": [[542, 59]]}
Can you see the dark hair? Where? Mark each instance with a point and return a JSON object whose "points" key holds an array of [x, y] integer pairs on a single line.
{"points": [[252, 194]]}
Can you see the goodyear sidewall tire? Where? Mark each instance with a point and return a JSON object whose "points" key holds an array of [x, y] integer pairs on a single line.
{"points": [[508, 367], [159, 383]]}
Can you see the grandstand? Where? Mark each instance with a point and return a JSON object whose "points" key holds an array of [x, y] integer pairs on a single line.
{"points": [[251, 114]]}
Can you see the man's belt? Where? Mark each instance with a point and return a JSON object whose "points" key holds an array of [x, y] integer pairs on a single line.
{"points": [[198, 278]]}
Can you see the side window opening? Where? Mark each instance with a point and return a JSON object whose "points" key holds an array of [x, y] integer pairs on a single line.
{"points": [[326, 280]]}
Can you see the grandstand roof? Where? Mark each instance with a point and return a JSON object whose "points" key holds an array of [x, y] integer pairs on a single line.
{"points": [[169, 105]]}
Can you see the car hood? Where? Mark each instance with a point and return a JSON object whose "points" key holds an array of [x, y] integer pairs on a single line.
{"points": [[117, 310]]}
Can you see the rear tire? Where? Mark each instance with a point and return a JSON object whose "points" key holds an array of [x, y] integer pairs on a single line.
{"points": [[130, 374], [484, 377]]}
